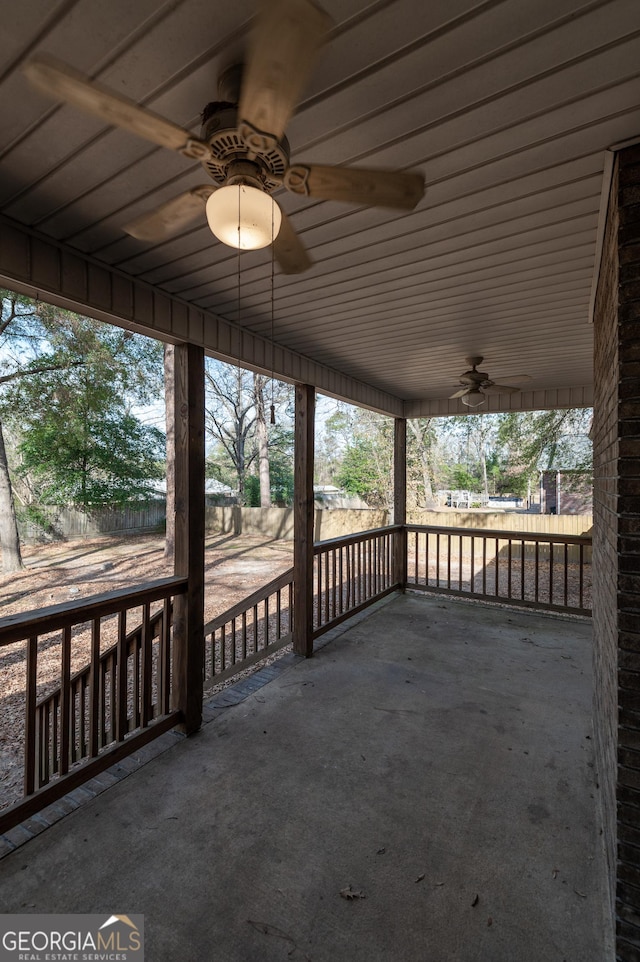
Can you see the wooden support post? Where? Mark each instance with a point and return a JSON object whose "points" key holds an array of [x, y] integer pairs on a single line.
{"points": [[303, 511], [400, 501], [188, 609]]}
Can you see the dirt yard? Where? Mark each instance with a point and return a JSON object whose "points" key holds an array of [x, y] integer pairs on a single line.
{"points": [[69, 571]]}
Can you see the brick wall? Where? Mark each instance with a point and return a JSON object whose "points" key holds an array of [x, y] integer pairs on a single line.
{"points": [[628, 336], [605, 531]]}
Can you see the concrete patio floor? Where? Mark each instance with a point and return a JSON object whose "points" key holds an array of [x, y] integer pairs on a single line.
{"points": [[435, 758]]}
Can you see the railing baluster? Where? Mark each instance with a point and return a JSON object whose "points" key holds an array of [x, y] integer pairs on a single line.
{"points": [[580, 580], [537, 573], [55, 757], [165, 656], [438, 560], [522, 569], [233, 640], [566, 576], [65, 699], [82, 710], [334, 583], [45, 744], [279, 612], [551, 572], [30, 717], [327, 588], [509, 560], [484, 565], [94, 688], [73, 721], [147, 665], [113, 695], [497, 591], [473, 563]]}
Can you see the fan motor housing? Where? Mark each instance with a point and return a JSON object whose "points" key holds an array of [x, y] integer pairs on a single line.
{"points": [[220, 130]]}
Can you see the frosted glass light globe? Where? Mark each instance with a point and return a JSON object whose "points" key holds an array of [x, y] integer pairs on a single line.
{"points": [[473, 399], [243, 216]]}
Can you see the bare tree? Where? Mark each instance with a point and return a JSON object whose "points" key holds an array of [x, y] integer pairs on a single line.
{"points": [[231, 416], [9, 538], [262, 439]]}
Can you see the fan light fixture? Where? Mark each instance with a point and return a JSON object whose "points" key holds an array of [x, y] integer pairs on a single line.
{"points": [[473, 399], [243, 216]]}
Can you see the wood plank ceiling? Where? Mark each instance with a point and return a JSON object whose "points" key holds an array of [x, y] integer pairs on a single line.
{"points": [[508, 109]]}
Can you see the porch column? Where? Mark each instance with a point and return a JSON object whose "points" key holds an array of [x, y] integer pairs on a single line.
{"points": [[303, 511], [188, 609], [400, 501], [616, 547]]}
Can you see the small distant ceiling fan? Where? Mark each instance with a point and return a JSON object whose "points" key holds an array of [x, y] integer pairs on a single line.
{"points": [[242, 144], [477, 384]]}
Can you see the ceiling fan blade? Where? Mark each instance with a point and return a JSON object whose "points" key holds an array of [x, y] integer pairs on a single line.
{"points": [[517, 378], [500, 389], [170, 218], [286, 38], [289, 250], [356, 185], [460, 393], [58, 80]]}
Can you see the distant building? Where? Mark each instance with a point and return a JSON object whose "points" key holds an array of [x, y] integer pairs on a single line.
{"points": [[566, 492]]}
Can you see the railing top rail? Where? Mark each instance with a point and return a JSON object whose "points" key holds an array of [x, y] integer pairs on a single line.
{"points": [[280, 582], [29, 624], [546, 537], [321, 546]]}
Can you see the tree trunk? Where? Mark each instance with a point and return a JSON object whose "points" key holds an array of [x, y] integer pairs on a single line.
{"points": [[485, 480], [263, 442], [9, 538], [422, 439], [169, 405]]}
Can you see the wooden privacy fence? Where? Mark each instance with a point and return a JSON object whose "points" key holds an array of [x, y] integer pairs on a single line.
{"points": [[79, 723], [550, 571]]}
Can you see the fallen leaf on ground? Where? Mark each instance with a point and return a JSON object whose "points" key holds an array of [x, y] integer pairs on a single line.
{"points": [[475, 901], [489, 921], [350, 893], [419, 878]]}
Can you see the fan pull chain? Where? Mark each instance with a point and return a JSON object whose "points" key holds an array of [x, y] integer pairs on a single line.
{"points": [[273, 406]]}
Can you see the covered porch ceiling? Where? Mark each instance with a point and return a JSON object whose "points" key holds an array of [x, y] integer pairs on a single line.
{"points": [[508, 109]]}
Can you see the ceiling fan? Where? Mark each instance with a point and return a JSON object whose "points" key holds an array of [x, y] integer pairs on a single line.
{"points": [[477, 384], [242, 145]]}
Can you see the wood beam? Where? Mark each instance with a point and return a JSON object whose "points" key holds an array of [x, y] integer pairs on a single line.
{"points": [[303, 515], [188, 609], [400, 500]]}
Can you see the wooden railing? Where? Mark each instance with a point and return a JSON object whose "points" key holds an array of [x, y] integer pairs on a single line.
{"points": [[79, 724], [351, 573], [250, 631], [549, 571]]}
